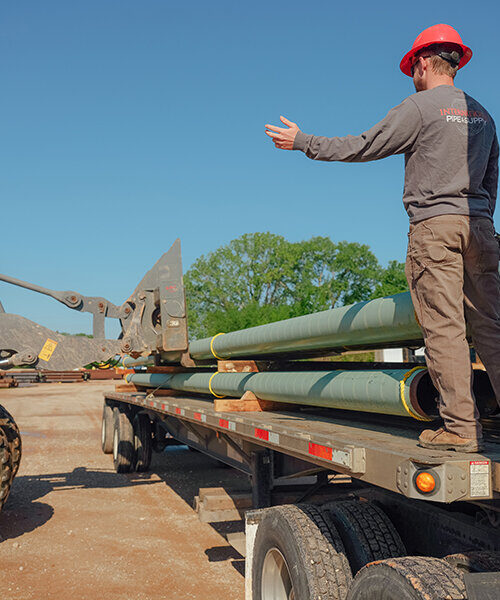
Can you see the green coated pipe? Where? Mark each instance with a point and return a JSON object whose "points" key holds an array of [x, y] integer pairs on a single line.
{"points": [[142, 361], [379, 323], [390, 392]]}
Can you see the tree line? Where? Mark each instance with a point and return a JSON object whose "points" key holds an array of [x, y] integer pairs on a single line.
{"points": [[259, 278]]}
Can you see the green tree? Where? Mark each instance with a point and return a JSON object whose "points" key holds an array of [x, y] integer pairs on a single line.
{"points": [[243, 283], [261, 277], [392, 280], [357, 273]]}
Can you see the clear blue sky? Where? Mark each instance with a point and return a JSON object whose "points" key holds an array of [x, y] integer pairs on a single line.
{"points": [[125, 124]]}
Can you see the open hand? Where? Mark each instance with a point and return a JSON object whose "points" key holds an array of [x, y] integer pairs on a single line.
{"points": [[283, 137]]}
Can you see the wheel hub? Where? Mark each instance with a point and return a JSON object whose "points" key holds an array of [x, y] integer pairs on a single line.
{"points": [[115, 444], [276, 580]]}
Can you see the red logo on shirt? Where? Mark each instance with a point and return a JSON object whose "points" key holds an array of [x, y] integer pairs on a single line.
{"points": [[460, 112], [469, 122]]}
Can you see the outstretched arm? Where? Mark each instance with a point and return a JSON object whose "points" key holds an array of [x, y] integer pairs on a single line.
{"points": [[395, 134]]}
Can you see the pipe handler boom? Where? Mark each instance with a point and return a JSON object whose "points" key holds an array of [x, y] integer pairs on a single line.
{"points": [[158, 299]]}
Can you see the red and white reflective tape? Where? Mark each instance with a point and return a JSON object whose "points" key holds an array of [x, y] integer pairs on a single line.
{"points": [[267, 436], [262, 434], [227, 424], [320, 451], [340, 457]]}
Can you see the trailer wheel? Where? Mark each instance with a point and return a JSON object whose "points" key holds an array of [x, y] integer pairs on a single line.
{"points": [[475, 561], [366, 531], [297, 556], [408, 578], [143, 442], [11, 430], [123, 442], [107, 428], [5, 468], [160, 439]]}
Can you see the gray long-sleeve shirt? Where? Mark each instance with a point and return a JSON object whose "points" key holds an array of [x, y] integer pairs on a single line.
{"points": [[451, 152]]}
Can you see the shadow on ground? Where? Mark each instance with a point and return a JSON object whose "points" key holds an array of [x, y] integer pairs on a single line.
{"points": [[23, 512], [15, 520], [186, 472], [183, 471]]}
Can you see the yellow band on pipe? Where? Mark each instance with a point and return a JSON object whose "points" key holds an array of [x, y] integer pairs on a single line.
{"points": [[212, 346], [409, 410], [210, 385]]}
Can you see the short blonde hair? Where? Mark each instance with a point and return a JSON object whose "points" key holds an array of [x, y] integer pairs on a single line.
{"points": [[439, 65]]}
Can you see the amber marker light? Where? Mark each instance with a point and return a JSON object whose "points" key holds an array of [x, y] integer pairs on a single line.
{"points": [[425, 482]]}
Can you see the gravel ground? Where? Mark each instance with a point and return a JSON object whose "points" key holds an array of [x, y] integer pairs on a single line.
{"points": [[73, 528]]}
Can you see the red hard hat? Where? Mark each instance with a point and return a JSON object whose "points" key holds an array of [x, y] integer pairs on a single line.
{"points": [[437, 34]]}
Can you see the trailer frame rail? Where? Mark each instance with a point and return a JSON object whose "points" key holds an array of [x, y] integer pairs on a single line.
{"points": [[382, 454]]}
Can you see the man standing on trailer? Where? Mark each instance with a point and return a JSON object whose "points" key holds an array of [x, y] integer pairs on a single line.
{"points": [[451, 175]]}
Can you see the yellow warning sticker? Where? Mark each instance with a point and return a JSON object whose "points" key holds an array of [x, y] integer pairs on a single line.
{"points": [[48, 349]]}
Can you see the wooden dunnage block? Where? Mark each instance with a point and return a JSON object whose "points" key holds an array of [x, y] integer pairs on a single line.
{"points": [[123, 388], [238, 366], [250, 403]]}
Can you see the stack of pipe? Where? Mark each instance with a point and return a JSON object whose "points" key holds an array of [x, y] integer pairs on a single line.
{"points": [[399, 392], [380, 323], [368, 391]]}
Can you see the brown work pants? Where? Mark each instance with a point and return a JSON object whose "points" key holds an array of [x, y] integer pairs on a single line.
{"points": [[452, 270]]}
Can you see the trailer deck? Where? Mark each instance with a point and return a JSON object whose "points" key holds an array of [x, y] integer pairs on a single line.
{"points": [[373, 449]]}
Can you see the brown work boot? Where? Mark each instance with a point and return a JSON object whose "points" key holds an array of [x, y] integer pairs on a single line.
{"points": [[445, 440]]}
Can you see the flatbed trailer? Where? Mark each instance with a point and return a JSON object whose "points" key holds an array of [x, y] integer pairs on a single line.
{"points": [[458, 519], [409, 524]]}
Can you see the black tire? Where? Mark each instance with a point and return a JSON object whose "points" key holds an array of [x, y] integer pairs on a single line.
{"points": [[475, 561], [11, 430], [107, 428], [311, 555], [143, 442], [5, 468], [161, 439], [123, 442], [366, 532], [408, 578]]}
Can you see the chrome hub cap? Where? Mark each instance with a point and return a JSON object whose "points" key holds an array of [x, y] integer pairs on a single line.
{"points": [[115, 444], [276, 581]]}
